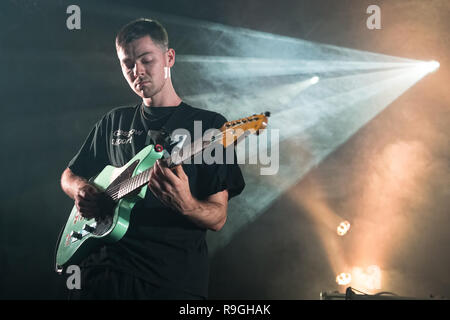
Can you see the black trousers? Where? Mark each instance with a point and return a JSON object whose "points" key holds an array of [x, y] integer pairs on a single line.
{"points": [[108, 284]]}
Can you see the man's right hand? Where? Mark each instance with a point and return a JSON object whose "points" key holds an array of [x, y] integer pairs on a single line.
{"points": [[86, 201], [93, 203], [89, 200]]}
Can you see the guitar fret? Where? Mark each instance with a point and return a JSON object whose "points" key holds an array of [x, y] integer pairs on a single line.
{"points": [[139, 179], [147, 175], [143, 175], [133, 184]]}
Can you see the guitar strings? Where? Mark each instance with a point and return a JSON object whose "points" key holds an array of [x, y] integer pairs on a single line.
{"points": [[115, 191]]}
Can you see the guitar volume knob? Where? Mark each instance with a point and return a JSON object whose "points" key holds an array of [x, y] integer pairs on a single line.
{"points": [[76, 235]]}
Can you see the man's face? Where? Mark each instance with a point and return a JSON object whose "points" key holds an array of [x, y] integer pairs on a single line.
{"points": [[143, 63]]}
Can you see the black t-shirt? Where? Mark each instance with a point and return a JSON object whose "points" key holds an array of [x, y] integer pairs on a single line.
{"points": [[161, 246]]}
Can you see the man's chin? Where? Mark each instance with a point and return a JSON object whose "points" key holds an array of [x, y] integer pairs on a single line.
{"points": [[145, 93]]}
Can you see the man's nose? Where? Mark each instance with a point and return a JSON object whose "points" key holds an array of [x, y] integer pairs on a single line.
{"points": [[138, 69]]}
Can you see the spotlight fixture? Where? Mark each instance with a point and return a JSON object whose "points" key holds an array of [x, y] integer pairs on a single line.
{"points": [[368, 278], [343, 279], [343, 228]]}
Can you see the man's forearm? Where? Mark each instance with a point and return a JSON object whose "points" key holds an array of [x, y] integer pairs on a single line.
{"points": [[89, 200], [171, 187], [210, 213], [71, 183]]}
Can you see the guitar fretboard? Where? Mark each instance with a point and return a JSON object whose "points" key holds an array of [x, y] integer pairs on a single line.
{"points": [[131, 184]]}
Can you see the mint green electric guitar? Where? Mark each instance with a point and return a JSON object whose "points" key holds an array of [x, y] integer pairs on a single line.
{"points": [[128, 184]]}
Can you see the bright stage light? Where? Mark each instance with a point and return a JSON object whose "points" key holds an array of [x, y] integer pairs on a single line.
{"points": [[314, 80], [434, 65], [428, 66], [368, 279], [343, 228], [344, 279]]}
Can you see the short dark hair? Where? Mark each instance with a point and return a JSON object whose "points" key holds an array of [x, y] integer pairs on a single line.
{"points": [[140, 28]]}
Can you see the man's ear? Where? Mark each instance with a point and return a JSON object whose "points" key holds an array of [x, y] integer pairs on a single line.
{"points": [[170, 58]]}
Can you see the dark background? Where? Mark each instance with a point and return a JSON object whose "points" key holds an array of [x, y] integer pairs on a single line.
{"points": [[56, 83]]}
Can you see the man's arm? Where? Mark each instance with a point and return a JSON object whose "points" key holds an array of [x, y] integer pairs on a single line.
{"points": [[210, 213], [172, 188], [89, 201], [72, 184]]}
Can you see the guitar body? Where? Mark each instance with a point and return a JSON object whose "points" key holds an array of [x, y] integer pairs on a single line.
{"points": [[91, 233]]}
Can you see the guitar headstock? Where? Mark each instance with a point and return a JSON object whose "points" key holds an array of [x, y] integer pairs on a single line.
{"points": [[234, 130]]}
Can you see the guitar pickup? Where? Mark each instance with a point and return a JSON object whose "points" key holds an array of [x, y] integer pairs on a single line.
{"points": [[88, 228]]}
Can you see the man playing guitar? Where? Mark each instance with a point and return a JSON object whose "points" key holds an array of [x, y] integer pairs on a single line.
{"points": [[164, 254]]}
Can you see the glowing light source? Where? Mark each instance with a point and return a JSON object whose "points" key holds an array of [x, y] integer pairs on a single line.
{"points": [[343, 228], [314, 80], [343, 279], [368, 279], [428, 66], [434, 65]]}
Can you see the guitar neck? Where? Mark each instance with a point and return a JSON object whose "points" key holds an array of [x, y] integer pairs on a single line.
{"points": [[129, 185], [132, 184]]}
